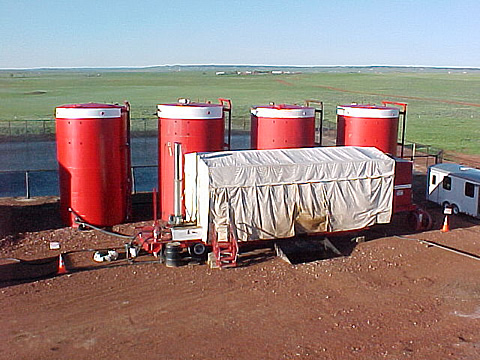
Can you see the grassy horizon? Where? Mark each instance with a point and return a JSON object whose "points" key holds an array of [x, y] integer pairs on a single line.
{"points": [[439, 113]]}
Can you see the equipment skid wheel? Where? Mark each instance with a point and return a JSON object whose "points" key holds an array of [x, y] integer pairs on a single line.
{"points": [[198, 251], [419, 220]]}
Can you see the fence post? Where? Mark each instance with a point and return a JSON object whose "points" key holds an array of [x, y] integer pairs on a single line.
{"points": [[134, 187], [27, 184]]}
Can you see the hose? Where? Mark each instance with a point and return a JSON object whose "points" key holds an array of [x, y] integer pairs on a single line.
{"points": [[122, 236], [78, 220]]}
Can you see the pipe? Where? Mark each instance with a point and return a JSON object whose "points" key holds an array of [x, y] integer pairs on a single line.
{"points": [[129, 173], [443, 247], [155, 206], [177, 189]]}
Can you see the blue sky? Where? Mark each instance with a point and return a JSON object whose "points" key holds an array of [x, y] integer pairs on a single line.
{"points": [[72, 33]]}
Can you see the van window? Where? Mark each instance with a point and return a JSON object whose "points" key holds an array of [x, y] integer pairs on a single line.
{"points": [[434, 179], [469, 189], [447, 183]]}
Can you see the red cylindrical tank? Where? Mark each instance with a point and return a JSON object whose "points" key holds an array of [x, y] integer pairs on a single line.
{"points": [[368, 125], [93, 152], [199, 127], [282, 126]]}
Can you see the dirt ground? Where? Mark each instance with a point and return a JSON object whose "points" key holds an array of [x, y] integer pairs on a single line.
{"points": [[391, 297]]}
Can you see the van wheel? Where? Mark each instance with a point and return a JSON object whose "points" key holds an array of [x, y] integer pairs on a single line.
{"points": [[455, 209]]}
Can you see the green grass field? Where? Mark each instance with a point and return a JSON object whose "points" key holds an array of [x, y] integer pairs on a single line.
{"points": [[443, 109]]}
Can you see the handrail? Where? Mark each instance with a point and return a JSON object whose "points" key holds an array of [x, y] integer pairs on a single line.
{"points": [[320, 112], [403, 113], [227, 109]]}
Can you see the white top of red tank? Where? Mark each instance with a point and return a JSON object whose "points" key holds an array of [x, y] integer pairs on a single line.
{"points": [[88, 111], [190, 111], [368, 111], [90, 106], [283, 111]]}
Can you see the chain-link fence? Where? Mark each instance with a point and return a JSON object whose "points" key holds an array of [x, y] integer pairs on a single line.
{"points": [[28, 164], [28, 160], [422, 155], [22, 130], [33, 183]]}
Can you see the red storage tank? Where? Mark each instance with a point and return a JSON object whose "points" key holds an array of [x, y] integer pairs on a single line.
{"points": [[93, 152], [282, 126], [199, 127], [368, 125]]}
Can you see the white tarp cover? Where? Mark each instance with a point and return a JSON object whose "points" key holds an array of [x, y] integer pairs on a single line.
{"points": [[269, 194]]}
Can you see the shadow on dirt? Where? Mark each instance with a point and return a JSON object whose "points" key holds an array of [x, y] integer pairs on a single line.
{"points": [[21, 216], [25, 217], [15, 271], [297, 250], [305, 249]]}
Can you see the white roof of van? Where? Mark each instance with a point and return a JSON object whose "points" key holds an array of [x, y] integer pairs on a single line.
{"points": [[461, 171]]}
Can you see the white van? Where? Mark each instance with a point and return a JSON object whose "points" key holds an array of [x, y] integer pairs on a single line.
{"points": [[456, 186]]}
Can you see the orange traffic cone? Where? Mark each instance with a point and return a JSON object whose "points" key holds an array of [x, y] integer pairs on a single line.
{"points": [[446, 226], [62, 269]]}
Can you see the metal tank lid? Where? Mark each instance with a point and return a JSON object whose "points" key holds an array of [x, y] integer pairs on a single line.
{"points": [[90, 106], [201, 105], [185, 109], [88, 111], [367, 111], [283, 111], [282, 106]]}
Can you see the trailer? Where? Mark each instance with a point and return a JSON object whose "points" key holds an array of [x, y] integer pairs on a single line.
{"points": [[455, 186], [235, 198]]}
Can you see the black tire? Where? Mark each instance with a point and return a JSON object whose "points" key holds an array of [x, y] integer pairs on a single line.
{"points": [[197, 250], [413, 221], [427, 221], [455, 209]]}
